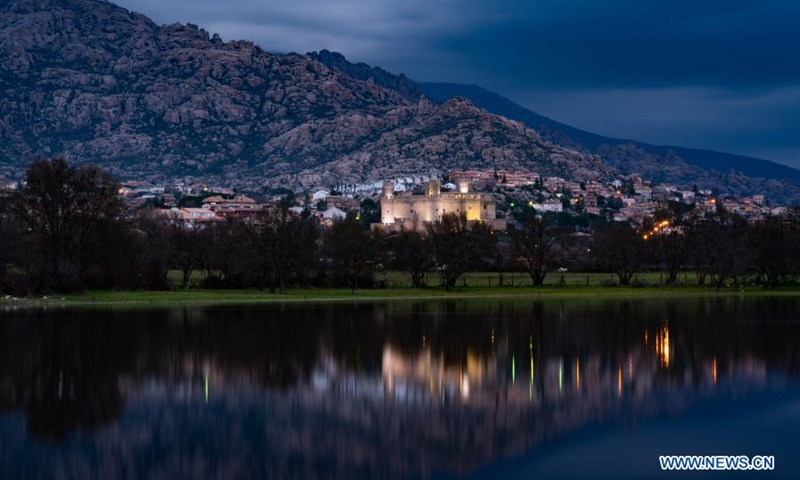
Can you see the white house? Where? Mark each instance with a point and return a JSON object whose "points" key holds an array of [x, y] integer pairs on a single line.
{"points": [[549, 206], [334, 213], [320, 194]]}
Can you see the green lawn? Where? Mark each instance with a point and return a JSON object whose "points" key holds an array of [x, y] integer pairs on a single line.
{"points": [[487, 279], [491, 279], [472, 286], [207, 297]]}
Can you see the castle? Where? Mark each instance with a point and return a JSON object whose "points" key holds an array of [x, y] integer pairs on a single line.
{"points": [[412, 211]]}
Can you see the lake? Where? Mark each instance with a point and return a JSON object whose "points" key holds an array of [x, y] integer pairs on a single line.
{"points": [[401, 389]]}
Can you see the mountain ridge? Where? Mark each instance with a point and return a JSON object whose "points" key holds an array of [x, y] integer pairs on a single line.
{"points": [[97, 83], [737, 174]]}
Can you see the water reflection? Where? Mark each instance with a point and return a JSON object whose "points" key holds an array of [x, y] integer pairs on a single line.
{"points": [[377, 390]]}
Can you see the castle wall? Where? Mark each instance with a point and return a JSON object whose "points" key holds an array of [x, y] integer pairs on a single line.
{"points": [[419, 208]]}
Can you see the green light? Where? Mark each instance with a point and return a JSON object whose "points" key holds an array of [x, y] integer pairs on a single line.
{"points": [[560, 377], [206, 388], [513, 369], [530, 385]]}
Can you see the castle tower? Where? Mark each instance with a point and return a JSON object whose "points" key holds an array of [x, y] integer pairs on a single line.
{"points": [[462, 185], [434, 187], [388, 189]]}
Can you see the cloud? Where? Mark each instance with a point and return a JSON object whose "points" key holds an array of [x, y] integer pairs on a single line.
{"points": [[541, 43], [761, 122]]}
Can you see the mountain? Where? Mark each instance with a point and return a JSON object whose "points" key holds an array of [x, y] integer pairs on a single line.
{"points": [[735, 174], [96, 83], [705, 159]]}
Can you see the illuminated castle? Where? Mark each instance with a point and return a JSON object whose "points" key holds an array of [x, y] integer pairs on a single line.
{"points": [[412, 211]]}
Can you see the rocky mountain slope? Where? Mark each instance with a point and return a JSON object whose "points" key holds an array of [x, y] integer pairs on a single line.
{"points": [[96, 83], [734, 174]]}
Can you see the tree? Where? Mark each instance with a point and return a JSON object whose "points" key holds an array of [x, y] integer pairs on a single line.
{"points": [[774, 245], [285, 246], [350, 249], [458, 246], [12, 252], [188, 247], [620, 249], [226, 253], [537, 245], [63, 208], [672, 246], [150, 267], [412, 254], [370, 212]]}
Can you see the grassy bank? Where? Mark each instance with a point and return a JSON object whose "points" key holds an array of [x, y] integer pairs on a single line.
{"points": [[492, 279], [208, 297]]}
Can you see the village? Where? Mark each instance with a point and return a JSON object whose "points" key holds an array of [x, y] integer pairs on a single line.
{"points": [[627, 199]]}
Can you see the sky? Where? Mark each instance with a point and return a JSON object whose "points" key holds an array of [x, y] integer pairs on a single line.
{"points": [[717, 74]]}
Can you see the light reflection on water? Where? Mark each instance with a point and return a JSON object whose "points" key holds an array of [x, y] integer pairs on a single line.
{"points": [[373, 390]]}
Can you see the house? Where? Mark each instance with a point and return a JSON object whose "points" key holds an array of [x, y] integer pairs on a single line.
{"points": [[549, 206], [237, 207], [342, 203], [191, 216], [8, 185], [334, 213], [320, 194], [592, 210]]}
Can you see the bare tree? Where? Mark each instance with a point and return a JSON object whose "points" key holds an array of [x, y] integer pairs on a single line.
{"points": [[537, 245], [285, 246], [412, 254], [350, 249], [62, 207], [620, 249], [458, 246]]}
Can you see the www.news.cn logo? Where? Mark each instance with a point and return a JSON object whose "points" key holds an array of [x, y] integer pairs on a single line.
{"points": [[716, 462]]}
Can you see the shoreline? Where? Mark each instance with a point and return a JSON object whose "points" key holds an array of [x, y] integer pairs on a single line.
{"points": [[200, 297]]}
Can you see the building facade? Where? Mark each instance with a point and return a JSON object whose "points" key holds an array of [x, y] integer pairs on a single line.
{"points": [[412, 211]]}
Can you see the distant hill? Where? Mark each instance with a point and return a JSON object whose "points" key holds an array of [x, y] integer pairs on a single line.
{"points": [[97, 83], [730, 173], [706, 159]]}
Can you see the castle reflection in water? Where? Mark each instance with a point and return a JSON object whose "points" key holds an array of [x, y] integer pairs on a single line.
{"points": [[380, 390]]}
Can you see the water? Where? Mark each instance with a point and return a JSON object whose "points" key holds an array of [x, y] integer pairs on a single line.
{"points": [[485, 389]]}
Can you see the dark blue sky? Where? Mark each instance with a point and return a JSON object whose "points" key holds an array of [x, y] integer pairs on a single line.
{"points": [[719, 74]]}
